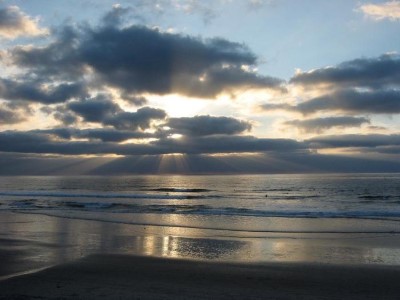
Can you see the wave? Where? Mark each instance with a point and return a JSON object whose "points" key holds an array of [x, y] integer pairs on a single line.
{"points": [[379, 197], [179, 190], [206, 226], [104, 195], [185, 209]]}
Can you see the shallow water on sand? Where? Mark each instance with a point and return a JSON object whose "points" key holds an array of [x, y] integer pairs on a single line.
{"points": [[31, 241]]}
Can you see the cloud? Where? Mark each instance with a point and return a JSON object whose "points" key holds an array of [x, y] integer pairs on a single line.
{"points": [[8, 116], [138, 59], [15, 23], [102, 109], [115, 16], [41, 142], [142, 118], [362, 72], [33, 91], [319, 125], [355, 140], [207, 125], [95, 109], [363, 85], [348, 101], [102, 134], [134, 99], [293, 162], [388, 10]]}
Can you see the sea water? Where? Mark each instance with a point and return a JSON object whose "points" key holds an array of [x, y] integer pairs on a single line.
{"points": [[252, 203], [324, 218]]}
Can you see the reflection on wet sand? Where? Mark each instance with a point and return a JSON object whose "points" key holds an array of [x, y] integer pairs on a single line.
{"points": [[30, 241]]}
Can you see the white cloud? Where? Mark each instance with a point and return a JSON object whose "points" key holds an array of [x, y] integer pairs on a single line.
{"points": [[388, 10]]}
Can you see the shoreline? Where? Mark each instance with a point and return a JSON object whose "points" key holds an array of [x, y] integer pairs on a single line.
{"points": [[33, 241], [53, 257], [109, 276]]}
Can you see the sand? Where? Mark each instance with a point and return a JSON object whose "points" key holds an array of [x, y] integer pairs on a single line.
{"points": [[98, 260], [133, 277]]}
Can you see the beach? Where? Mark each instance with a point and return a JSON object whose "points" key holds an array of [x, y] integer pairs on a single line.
{"points": [[51, 258], [196, 237], [132, 277]]}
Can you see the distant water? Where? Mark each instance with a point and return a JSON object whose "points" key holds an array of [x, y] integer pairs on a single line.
{"points": [[237, 202]]}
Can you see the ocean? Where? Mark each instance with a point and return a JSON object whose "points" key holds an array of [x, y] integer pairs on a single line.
{"points": [[318, 218], [238, 203]]}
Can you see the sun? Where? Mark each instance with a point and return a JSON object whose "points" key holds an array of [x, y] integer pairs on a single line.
{"points": [[178, 106]]}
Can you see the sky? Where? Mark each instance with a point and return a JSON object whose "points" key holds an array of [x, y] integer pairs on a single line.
{"points": [[189, 86]]}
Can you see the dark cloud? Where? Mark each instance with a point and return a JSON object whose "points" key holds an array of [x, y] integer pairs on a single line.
{"points": [[102, 109], [102, 134], [133, 120], [228, 144], [207, 125], [360, 86], [385, 101], [15, 23], [355, 140], [33, 91], [65, 117], [137, 59], [56, 61], [95, 109], [10, 117], [362, 72], [299, 162], [42, 142], [321, 124], [116, 15], [133, 99]]}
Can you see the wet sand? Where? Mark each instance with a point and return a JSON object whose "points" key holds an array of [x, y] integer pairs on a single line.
{"points": [[132, 277], [100, 260]]}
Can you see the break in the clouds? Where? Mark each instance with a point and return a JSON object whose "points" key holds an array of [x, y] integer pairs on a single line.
{"points": [[319, 125], [15, 23], [387, 10]]}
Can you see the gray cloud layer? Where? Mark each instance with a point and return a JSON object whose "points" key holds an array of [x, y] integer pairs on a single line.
{"points": [[355, 140], [207, 125], [33, 91], [320, 124], [41, 142], [348, 101], [362, 72]]}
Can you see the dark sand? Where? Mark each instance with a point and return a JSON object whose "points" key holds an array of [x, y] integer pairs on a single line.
{"points": [[133, 277]]}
